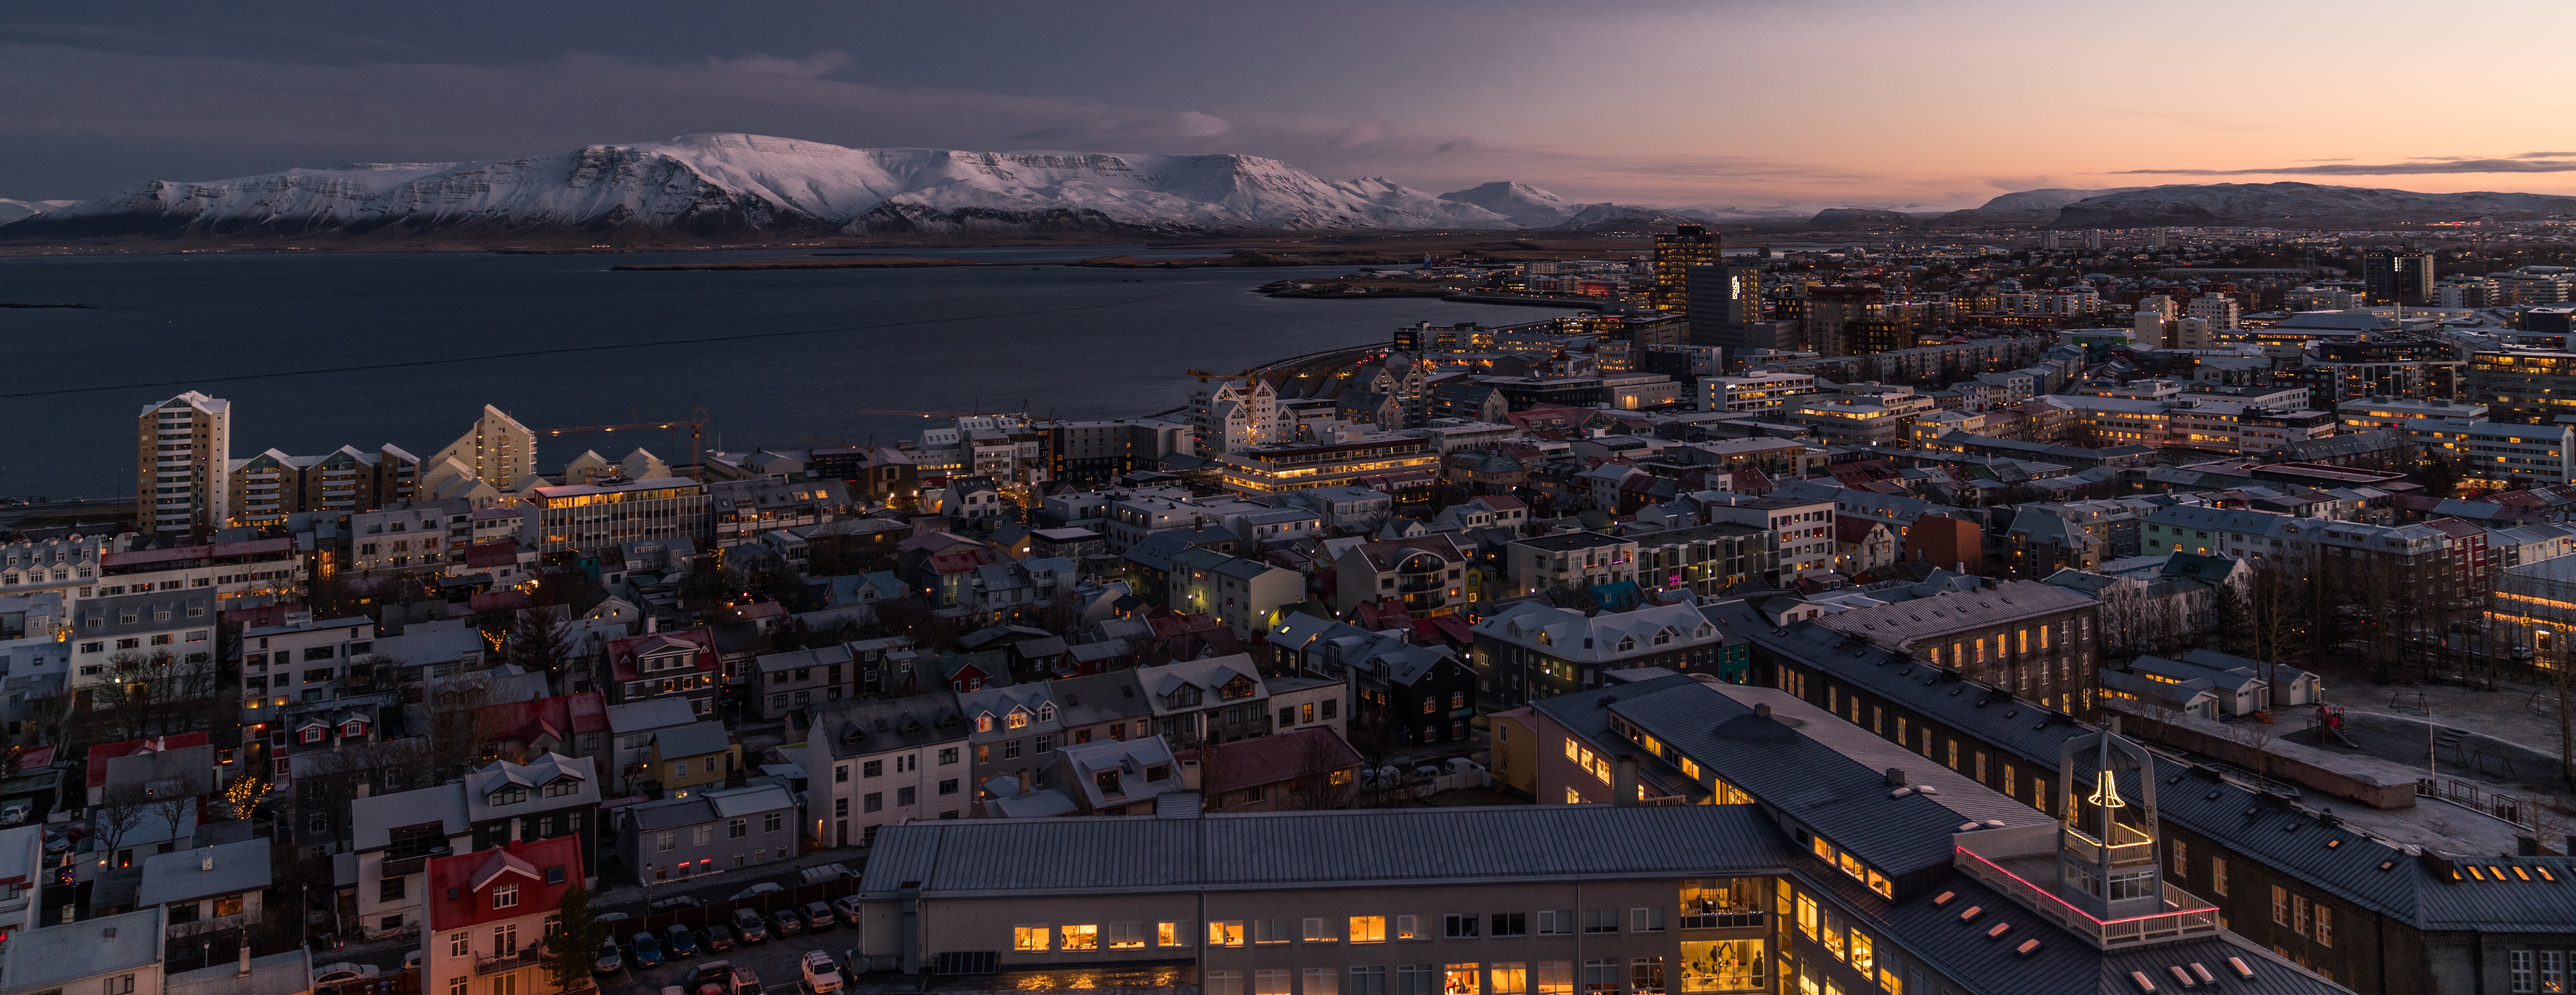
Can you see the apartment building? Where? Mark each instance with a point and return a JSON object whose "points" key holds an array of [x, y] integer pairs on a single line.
{"points": [[2040, 641], [2531, 387], [2500, 455], [1529, 650], [225, 571], [1426, 573], [181, 451], [302, 662], [890, 762], [1803, 529], [272, 485], [1569, 561], [1212, 700], [1247, 595], [496, 451], [411, 535], [115, 638]]}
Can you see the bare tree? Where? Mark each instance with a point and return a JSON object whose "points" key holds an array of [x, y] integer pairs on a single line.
{"points": [[117, 814], [539, 639], [1325, 779], [173, 807]]}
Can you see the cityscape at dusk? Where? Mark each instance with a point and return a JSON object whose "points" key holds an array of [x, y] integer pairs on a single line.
{"points": [[1726, 498]]}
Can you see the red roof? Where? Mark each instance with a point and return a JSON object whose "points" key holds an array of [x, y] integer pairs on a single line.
{"points": [[259, 617], [1272, 759], [1438, 629], [473, 877], [497, 553], [562, 717], [96, 773], [496, 601]]}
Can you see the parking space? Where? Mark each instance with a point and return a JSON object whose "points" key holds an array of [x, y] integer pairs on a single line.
{"points": [[777, 963]]}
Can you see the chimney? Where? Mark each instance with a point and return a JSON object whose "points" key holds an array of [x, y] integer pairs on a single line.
{"points": [[1626, 783], [207, 862], [241, 967], [1762, 710], [1025, 786], [1896, 777]]}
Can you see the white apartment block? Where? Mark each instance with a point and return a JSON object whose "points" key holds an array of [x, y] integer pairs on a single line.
{"points": [[183, 447], [417, 535], [2498, 454], [1804, 528]]}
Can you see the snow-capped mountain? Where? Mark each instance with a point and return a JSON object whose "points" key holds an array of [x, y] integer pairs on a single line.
{"points": [[716, 183], [1531, 207], [12, 210]]}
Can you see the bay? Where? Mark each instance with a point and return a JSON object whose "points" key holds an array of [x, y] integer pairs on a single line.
{"points": [[329, 349]]}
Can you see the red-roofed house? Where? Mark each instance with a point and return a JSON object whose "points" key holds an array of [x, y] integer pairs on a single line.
{"points": [[501, 558], [575, 725], [665, 664], [1306, 769], [485, 916], [94, 769]]}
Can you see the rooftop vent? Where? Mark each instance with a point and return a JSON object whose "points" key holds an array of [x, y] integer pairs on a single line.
{"points": [[1969, 914], [1944, 898], [2181, 976], [2139, 978], [2027, 947], [1896, 776], [2203, 974], [1998, 931], [1763, 710], [2242, 972]]}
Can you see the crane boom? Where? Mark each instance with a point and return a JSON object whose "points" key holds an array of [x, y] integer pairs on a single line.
{"points": [[696, 426]]}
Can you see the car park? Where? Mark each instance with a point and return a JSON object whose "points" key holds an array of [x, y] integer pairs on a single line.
{"points": [[818, 917], [680, 942], [645, 950], [786, 923], [747, 925]]}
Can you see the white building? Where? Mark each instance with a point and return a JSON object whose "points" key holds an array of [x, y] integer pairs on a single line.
{"points": [[1753, 391], [872, 764]]}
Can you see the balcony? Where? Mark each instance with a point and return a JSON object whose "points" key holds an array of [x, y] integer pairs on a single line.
{"points": [[526, 957], [404, 866], [2185, 916]]}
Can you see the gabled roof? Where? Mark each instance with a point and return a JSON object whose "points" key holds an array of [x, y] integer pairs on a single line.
{"points": [[693, 740], [526, 864], [1263, 760]]}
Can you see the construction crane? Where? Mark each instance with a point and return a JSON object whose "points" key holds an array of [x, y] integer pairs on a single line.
{"points": [[696, 425]]}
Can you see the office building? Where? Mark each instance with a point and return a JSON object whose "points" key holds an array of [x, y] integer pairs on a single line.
{"points": [[182, 448], [1831, 308], [2397, 278], [1728, 298], [584, 517], [1675, 254]]}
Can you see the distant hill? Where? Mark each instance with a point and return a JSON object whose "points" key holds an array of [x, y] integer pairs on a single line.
{"points": [[2298, 205]]}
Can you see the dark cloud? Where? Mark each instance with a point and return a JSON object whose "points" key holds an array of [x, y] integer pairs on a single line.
{"points": [[2381, 169]]}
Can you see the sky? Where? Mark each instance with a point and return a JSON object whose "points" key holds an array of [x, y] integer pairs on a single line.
{"points": [[1716, 104]]}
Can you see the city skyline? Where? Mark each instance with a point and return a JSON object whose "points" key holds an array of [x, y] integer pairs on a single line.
{"points": [[1748, 105]]}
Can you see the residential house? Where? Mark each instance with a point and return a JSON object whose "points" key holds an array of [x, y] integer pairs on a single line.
{"points": [[1102, 777], [489, 913], [709, 832], [1569, 561], [1217, 699], [889, 761], [1101, 705], [208, 888], [118, 954], [632, 728], [1426, 573], [394, 837], [785, 682], [691, 757], [1013, 730], [115, 636], [680, 664], [1305, 769], [552, 796], [1415, 694], [1245, 594]]}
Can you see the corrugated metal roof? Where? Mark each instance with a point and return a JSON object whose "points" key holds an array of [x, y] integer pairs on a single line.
{"points": [[1322, 849]]}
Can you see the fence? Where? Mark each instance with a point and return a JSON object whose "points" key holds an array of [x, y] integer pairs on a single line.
{"points": [[2517, 809]]}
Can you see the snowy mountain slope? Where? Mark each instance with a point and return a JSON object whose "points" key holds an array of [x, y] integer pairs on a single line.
{"points": [[734, 182], [2295, 204], [12, 210], [1526, 206]]}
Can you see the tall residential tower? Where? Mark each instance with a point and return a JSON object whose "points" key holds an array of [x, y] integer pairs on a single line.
{"points": [[181, 451], [1675, 254]]}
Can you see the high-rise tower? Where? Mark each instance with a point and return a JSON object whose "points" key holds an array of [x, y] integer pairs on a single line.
{"points": [[1675, 254], [182, 449]]}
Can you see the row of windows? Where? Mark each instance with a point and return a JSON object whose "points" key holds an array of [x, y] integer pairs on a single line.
{"points": [[1643, 976]]}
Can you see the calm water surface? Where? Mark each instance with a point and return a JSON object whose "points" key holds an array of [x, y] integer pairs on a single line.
{"points": [[319, 351]]}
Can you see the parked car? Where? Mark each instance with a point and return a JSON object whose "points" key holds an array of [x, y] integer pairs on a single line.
{"points": [[676, 902], [611, 960], [825, 872], [411, 961], [680, 941], [848, 907], [762, 888], [747, 924], [821, 975], [818, 917], [332, 974], [646, 950], [785, 923], [714, 977], [718, 938]]}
